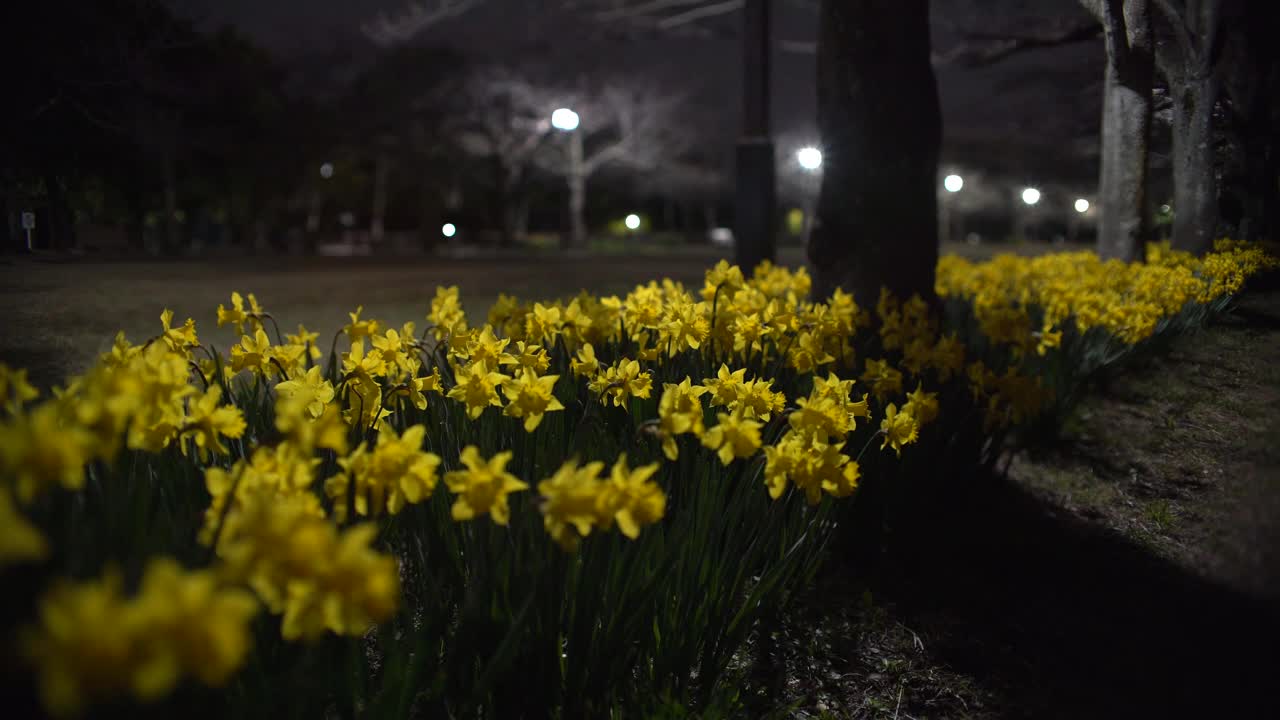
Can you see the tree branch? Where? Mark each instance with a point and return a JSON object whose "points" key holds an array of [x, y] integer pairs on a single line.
{"points": [[385, 30], [696, 14], [1182, 33], [1115, 34], [1000, 48], [626, 13]]}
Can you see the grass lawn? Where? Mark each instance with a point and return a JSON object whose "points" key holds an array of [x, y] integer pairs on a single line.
{"points": [[60, 313]]}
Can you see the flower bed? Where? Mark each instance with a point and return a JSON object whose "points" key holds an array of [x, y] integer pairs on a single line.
{"points": [[577, 506]]}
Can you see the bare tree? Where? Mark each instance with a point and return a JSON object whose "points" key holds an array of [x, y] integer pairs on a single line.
{"points": [[622, 124], [1250, 73], [1123, 217], [755, 163], [1188, 50], [506, 119], [386, 29], [665, 15]]}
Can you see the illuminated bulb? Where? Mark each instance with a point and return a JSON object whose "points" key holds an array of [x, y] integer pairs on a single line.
{"points": [[810, 158], [564, 119], [633, 222], [953, 183], [449, 230], [1031, 196], [1082, 205]]}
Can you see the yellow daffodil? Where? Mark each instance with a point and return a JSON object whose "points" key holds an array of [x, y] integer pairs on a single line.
{"points": [[20, 541], [571, 501], [530, 397], [631, 499], [15, 391], [477, 388], [734, 436], [679, 412], [898, 428], [312, 391], [621, 382], [482, 488]]}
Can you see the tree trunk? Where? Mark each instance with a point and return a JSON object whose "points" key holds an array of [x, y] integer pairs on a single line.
{"points": [[1123, 219], [755, 192], [518, 219], [430, 216], [377, 219], [881, 129], [1122, 185], [170, 223], [1195, 196], [514, 209], [577, 211]]}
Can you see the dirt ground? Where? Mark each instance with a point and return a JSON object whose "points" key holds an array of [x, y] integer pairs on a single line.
{"points": [[1133, 570]]}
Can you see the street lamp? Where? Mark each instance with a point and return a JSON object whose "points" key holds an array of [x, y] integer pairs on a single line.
{"points": [[564, 119], [1030, 196], [810, 158], [953, 183], [1082, 205]]}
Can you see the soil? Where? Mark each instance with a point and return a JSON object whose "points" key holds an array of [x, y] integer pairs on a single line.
{"points": [[1130, 570]]}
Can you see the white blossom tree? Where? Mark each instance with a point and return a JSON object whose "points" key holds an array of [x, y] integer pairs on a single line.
{"points": [[622, 124]]}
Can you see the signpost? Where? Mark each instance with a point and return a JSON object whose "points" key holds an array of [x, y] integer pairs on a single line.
{"points": [[28, 224]]}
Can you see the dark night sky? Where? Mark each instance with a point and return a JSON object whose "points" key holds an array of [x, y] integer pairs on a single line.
{"points": [[1029, 115]]}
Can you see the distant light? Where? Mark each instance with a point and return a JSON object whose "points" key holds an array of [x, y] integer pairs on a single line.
{"points": [[564, 119], [810, 158], [1031, 196], [1082, 205], [1165, 209], [953, 183], [720, 236], [326, 171], [449, 230], [633, 222]]}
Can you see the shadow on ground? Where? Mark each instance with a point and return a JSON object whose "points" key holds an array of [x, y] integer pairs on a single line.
{"points": [[1129, 572], [1063, 619]]}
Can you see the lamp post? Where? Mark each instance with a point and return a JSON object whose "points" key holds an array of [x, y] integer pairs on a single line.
{"points": [[952, 184], [567, 121], [809, 159], [755, 194], [1030, 196]]}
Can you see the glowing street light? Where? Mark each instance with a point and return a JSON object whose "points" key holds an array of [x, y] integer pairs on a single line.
{"points": [[1030, 196], [564, 119], [632, 222], [953, 183], [810, 158], [449, 230], [326, 170], [1082, 205]]}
